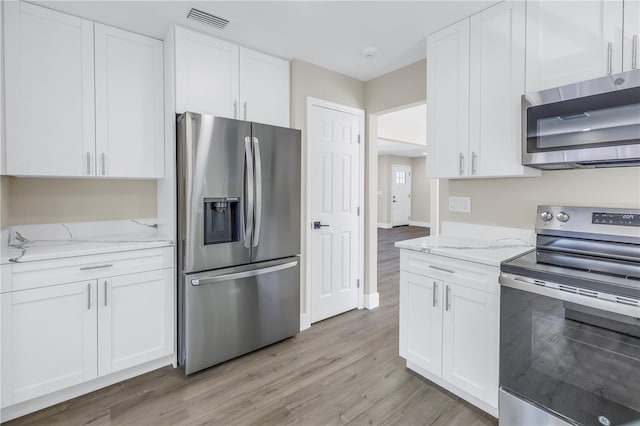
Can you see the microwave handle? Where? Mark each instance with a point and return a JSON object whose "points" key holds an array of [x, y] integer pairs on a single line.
{"points": [[609, 58]]}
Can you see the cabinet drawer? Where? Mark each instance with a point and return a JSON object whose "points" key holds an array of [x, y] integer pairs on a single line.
{"points": [[44, 273], [469, 274]]}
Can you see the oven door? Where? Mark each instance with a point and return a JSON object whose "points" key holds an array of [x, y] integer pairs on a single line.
{"points": [[576, 356]]}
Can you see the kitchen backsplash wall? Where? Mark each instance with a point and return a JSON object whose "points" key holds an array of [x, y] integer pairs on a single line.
{"points": [[26, 201], [512, 202]]}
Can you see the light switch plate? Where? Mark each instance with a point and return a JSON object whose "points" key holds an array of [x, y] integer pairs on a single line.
{"points": [[460, 204]]}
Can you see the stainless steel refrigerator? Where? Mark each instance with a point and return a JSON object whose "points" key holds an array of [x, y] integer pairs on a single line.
{"points": [[239, 237]]}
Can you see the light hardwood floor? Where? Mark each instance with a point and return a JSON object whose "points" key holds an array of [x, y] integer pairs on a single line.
{"points": [[344, 370]]}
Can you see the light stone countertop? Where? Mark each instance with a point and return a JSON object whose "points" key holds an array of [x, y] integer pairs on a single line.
{"points": [[487, 245], [31, 243]]}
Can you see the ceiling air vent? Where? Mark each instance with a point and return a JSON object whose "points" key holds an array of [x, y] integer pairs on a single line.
{"points": [[207, 19]]}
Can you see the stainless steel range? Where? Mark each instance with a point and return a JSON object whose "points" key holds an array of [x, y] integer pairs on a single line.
{"points": [[570, 321]]}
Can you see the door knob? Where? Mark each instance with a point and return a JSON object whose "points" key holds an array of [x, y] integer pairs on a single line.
{"points": [[318, 225]]}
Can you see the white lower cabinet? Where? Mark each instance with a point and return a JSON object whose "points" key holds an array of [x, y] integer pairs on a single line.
{"points": [[135, 313], [49, 340], [56, 335], [449, 325]]}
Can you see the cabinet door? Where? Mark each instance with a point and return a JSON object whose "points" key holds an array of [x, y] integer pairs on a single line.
{"points": [[497, 84], [569, 41], [50, 129], [49, 340], [631, 42], [470, 341], [448, 101], [264, 88], [421, 321], [129, 104], [135, 319], [206, 75]]}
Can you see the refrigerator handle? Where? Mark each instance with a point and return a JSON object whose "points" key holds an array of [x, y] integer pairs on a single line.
{"points": [[248, 214], [247, 274], [258, 207]]}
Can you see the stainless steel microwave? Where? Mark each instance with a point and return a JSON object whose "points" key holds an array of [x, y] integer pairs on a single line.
{"points": [[593, 123]]}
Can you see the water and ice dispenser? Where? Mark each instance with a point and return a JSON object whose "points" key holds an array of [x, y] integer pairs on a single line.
{"points": [[222, 220]]}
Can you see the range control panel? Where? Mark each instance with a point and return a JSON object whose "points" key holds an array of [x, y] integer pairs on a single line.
{"points": [[621, 219], [602, 221]]}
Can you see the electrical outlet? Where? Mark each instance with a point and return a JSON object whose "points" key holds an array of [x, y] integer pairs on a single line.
{"points": [[460, 204]]}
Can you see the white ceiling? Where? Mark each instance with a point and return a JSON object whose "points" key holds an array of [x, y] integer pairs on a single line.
{"points": [[327, 33]]}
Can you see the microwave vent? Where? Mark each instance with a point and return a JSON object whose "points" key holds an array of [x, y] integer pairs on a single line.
{"points": [[207, 19]]}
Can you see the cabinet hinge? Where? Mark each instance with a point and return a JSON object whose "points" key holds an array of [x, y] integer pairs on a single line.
{"points": [[358, 138], [358, 211], [358, 282]]}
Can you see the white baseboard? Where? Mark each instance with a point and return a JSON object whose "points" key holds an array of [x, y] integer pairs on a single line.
{"points": [[372, 301], [384, 225], [38, 403], [423, 224], [305, 321]]}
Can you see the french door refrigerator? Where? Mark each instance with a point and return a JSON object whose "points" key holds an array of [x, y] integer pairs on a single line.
{"points": [[239, 237]]}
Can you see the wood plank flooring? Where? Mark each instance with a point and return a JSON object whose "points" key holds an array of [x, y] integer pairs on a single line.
{"points": [[344, 370]]}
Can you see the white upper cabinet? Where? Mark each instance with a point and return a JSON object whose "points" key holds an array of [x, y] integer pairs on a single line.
{"points": [[497, 70], [475, 80], [264, 88], [569, 41], [49, 81], [129, 104], [448, 101], [79, 105], [206, 74], [631, 36], [218, 78]]}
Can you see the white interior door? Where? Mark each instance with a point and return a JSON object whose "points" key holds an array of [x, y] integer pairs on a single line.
{"points": [[334, 187], [400, 195]]}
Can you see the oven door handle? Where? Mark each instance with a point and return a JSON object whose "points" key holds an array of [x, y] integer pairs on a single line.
{"points": [[528, 285]]}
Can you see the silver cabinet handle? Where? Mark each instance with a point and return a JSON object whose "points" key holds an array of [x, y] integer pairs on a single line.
{"points": [[461, 164], [235, 109], [88, 163], [106, 265], [634, 52], [89, 296], [248, 218], [447, 304], [435, 290], [258, 207], [609, 57], [103, 165], [247, 274], [474, 158], [437, 268], [105, 292], [245, 109]]}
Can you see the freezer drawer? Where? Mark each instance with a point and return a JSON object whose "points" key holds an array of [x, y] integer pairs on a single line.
{"points": [[229, 312]]}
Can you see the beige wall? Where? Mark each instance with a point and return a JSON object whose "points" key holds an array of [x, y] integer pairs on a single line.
{"points": [[420, 191], [34, 200], [512, 202], [406, 86], [311, 80]]}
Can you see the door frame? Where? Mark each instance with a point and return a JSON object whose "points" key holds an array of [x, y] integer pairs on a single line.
{"points": [[396, 166], [311, 102]]}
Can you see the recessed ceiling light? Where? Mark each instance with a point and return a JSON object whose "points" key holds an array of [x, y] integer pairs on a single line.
{"points": [[368, 52]]}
